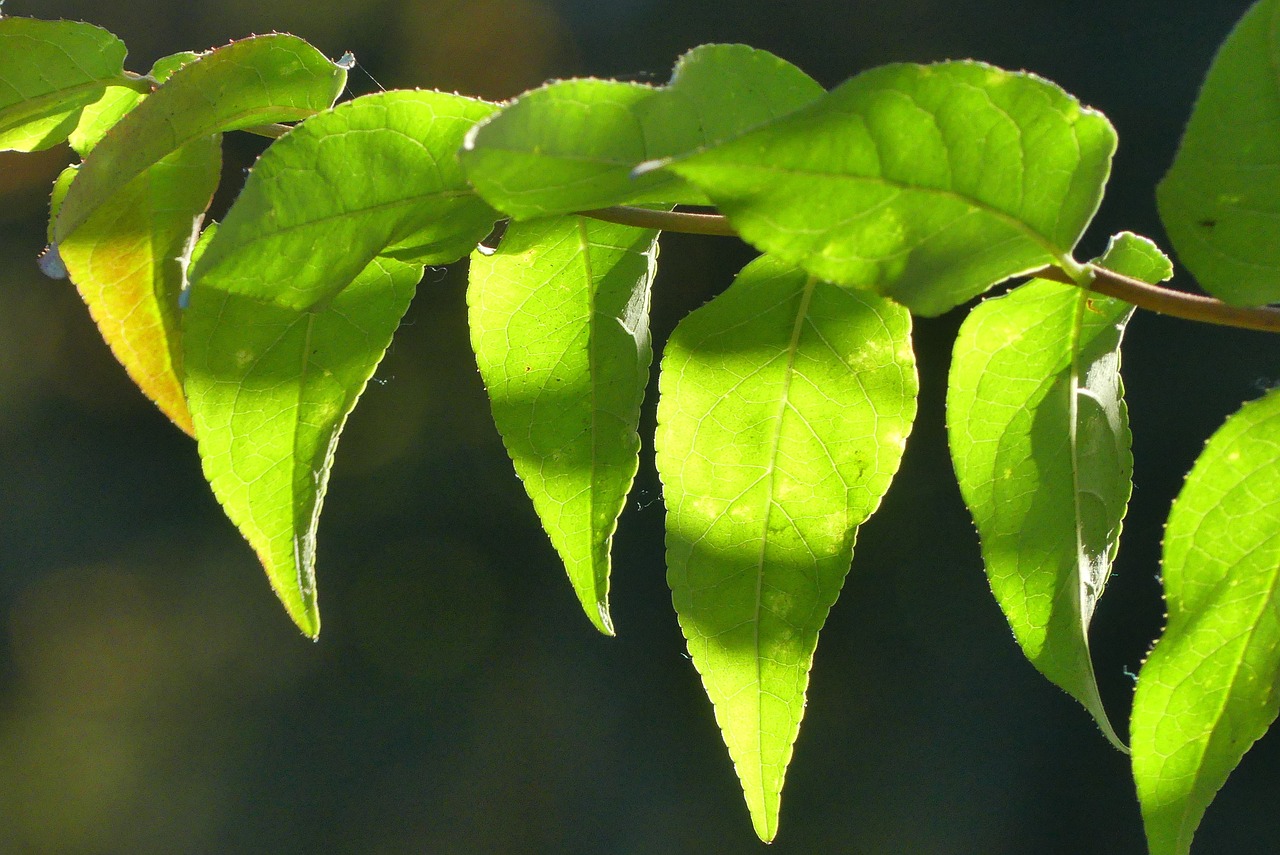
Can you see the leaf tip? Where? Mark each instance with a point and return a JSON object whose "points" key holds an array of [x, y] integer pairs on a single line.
{"points": [[605, 621]]}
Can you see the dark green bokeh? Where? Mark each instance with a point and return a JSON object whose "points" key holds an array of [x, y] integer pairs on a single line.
{"points": [[155, 699]]}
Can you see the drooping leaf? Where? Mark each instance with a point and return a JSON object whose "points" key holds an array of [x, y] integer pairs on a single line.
{"points": [[374, 176], [926, 183], [270, 388], [571, 145], [1220, 201], [560, 326], [49, 72], [1211, 686], [1040, 440], [102, 115], [256, 81], [125, 261], [785, 407]]}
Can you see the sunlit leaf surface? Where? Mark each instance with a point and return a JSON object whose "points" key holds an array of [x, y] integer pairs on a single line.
{"points": [[374, 176], [560, 326], [785, 407], [49, 72], [1039, 436], [1209, 688], [927, 183], [1221, 199], [255, 81], [270, 388], [571, 145]]}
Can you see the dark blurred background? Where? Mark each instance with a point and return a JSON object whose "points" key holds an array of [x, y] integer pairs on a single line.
{"points": [[155, 699]]}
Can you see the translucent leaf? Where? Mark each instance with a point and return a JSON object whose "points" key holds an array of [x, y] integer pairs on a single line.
{"points": [[1209, 689], [49, 72], [560, 326], [270, 388], [571, 145], [1220, 201], [1039, 436], [928, 184], [374, 176], [785, 407], [100, 116], [124, 260], [255, 81]]}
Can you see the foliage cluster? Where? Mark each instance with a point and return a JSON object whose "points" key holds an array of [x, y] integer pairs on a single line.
{"points": [[785, 403]]}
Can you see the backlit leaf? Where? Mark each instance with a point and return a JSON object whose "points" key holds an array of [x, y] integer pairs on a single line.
{"points": [[926, 183], [49, 72], [1039, 436], [785, 407], [270, 388], [124, 260], [571, 145], [374, 176], [1221, 199], [560, 326], [102, 115], [256, 81], [1209, 689]]}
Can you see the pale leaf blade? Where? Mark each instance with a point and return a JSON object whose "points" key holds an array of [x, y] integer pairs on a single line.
{"points": [[785, 407], [1211, 686], [560, 327]]}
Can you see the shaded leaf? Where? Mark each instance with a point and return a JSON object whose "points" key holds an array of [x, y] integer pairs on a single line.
{"points": [[255, 81], [572, 144], [49, 72], [785, 407], [1039, 436], [1209, 688], [560, 326], [1220, 201], [926, 183], [125, 261], [374, 176], [269, 389]]}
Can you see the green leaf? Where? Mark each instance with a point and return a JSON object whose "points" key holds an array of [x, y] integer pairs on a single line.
{"points": [[560, 327], [785, 407], [255, 81], [1039, 436], [124, 260], [102, 115], [928, 184], [571, 145], [49, 72], [1209, 689], [269, 389], [374, 176], [1220, 201]]}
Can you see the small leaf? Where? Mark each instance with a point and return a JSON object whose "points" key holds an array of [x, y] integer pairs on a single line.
{"points": [[49, 72], [374, 176], [560, 326], [255, 81], [124, 260], [1221, 199], [1039, 436], [926, 183], [102, 115], [1210, 688], [572, 145], [785, 407], [270, 388]]}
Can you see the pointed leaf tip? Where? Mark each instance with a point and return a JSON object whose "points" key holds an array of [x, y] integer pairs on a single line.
{"points": [[559, 319], [1040, 441], [784, 411]]}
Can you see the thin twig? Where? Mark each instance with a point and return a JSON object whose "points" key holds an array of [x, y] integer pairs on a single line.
{"points": [[1154, 298]]}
